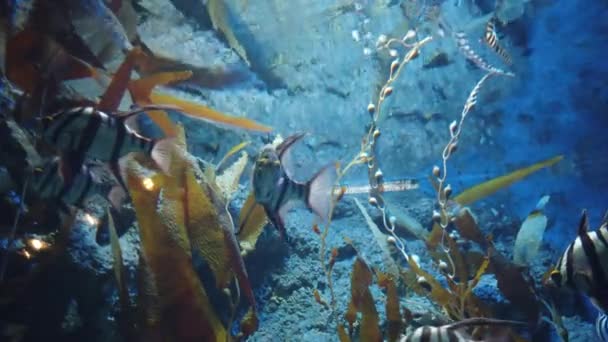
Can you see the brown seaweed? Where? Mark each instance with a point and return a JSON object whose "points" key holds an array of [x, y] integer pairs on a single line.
{"points": [[393, 315], [362, 302]]}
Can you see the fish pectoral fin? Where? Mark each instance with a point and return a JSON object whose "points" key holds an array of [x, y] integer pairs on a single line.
{"points": [[69, 166], [284, 152], [278, 221], [320, 191], [583, 226]]}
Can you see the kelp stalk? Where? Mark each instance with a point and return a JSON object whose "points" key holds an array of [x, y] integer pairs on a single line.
{"points": [[366, 154]]}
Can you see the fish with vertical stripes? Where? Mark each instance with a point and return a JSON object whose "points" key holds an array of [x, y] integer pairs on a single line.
{"points": [[274, 188], [85, 132], [601, 327], [491, 38], [584, 265], [49, 184], [450, 333]]}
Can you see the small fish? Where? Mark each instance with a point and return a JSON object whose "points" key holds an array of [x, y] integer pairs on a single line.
{"points": [[584, 264], [49, 185], [449, 333], [274, 188], [601, 327], [86, 132], [392, 186], [491, 38]]}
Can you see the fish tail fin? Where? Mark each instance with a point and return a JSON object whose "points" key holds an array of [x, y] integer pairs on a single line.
{"points": [[162, 153], [320, 191], [117, 196], [111, 216]]}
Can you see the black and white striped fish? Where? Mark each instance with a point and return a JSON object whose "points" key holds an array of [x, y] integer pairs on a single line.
{"points": [[49, 184], [584, 264], [274, 188], [85, 132], [450, 333], [491, 38], [601, 327]]}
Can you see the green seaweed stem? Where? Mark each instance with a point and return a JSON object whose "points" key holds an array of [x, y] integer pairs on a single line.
{"points": [[366, 154]]}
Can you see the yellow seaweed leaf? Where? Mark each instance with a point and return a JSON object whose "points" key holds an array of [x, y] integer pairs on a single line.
{"points": [[487, 188], [219, 14], [198, 111], [479, 191], [205, 232], [185, 311], [228, 181], [438, 294], [148, 303], [252, 220], [231, 152], [480, 272]]}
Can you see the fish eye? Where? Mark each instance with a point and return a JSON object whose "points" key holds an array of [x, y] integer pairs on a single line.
{"points": [[556, 276]]}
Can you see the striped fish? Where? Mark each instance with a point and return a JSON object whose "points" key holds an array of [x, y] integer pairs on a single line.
{"points": [[49, 185], [491, 38], [274, 188], [584, 265], [601, 327], [85, 132], [449, 333], [435, 334]]}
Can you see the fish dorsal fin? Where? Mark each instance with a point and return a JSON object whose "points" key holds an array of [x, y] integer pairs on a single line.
{"points": [[583, 226], [283, 152], [286, 144], [605, 220]]}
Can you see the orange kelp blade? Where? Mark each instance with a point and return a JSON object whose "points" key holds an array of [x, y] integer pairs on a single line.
{"points": [[32, 58], [186, 313], [110, 100], [142, 88], [198, 111]]}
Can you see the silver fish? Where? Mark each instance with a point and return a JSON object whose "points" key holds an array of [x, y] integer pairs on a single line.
{"points": [[274, 188]]}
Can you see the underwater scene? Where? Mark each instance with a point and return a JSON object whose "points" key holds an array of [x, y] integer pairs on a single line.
{"points": [[304, 170]]}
